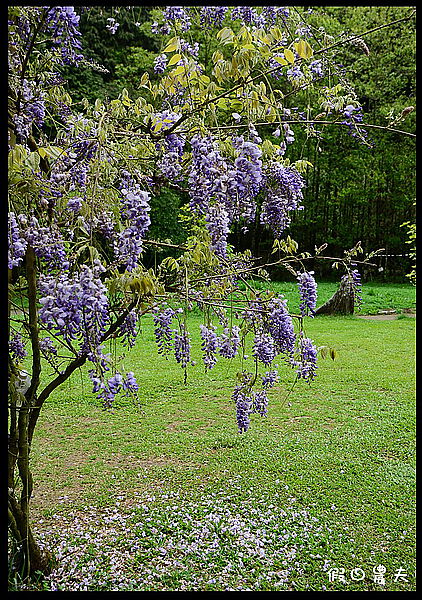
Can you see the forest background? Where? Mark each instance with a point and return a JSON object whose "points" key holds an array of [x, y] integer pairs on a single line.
{"points": [[355, 192]]}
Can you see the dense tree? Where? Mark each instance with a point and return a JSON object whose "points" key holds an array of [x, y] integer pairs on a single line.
{"points": [[82, 176]]}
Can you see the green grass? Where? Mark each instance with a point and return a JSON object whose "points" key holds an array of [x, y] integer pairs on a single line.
{"points": [[375, 296], [341, 449]]}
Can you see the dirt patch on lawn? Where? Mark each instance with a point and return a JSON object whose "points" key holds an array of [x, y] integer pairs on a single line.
{"points": [[67, 480], [388, 315], [378, 317]]}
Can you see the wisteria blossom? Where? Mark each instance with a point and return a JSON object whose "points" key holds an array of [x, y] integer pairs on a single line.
{"points": [[308, 293]]}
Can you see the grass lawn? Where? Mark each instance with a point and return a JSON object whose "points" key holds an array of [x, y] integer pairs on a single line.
{"points": [[168, 496], [375, 296]]}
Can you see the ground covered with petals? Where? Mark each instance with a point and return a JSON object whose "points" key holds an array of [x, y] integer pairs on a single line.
{"points": [[165, 542]]}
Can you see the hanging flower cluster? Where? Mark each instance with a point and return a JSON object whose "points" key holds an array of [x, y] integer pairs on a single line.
{"points": [[17, 243], [63, 24], [308, 293], [17, 347], [75, 306], [135, 208], [209, 345], [284, 194], [163, 329]]}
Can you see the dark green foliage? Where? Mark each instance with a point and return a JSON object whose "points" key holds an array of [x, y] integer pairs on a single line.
{"points": [[130, 50], [355, 192], [165, 226]]}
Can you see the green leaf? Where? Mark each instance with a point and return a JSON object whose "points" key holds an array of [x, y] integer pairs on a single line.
{"points": [[51, 151], [174, 59], [280, 60], [171, 47], [179, 70], [276, 33], [222, 103], [304, 49], [33, 161], [225, 35], [289, 56]]}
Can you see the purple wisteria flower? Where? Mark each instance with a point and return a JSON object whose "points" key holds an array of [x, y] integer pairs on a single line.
{"points": [[104, 223], [74, 204], [108, 389], [248, 179], [63, 24], [294, 74], [307, 365], [48, 245], [276, 68], [172, 146], [218, 225], [354, 116], [308, 293], [243, 407], [17, 347], [163, 331], [280, 327], [75, 306], [128, 329], [248, 15], [112, 25], [212, 15], [207, 173], [182, 346], [187, 48], [270, 379], [164, 29], [255, 312], [47, 346], [264, 348], [209, 345], [17, 242], [130, 385], [289, 134], [160, 63], [316, 68], [177, 14], [259, 403], [229, 342], [31, 109], [214, 180], [284, 187], [49, 351], [135, 209]]}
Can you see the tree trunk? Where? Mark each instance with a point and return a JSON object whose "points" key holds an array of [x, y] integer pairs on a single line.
{"points": [[29, 558], [342, 302]]}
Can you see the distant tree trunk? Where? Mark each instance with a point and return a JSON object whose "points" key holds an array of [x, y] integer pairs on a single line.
{"points": [[341, 303]]}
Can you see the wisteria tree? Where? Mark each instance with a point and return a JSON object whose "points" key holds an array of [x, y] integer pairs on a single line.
{"points": [[82, 179]]}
